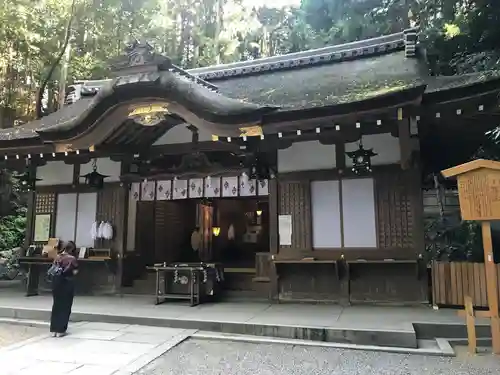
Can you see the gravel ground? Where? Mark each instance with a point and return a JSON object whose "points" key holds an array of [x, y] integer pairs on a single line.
{"points": [[231, 358], [11, 333]]}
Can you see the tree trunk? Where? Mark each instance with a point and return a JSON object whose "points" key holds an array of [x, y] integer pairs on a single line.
{"points": [[218, 29], [41, 92]]}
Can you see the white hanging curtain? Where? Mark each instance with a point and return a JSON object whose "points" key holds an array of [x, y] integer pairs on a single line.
{"points": [[94, 231]]}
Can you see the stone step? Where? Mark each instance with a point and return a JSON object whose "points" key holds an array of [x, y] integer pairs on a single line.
{"points": [[403, 337], [438, 347]]}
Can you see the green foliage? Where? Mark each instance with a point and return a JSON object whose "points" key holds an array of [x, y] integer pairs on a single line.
{"points": [[450, 239], [461, 36], [12, 230], [12, 212]]}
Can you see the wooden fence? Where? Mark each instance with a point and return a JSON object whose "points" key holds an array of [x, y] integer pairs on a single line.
{"points": [[451, 281]]}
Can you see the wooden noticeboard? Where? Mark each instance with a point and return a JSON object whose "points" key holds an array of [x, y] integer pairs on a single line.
{"points": [[479, 195]]}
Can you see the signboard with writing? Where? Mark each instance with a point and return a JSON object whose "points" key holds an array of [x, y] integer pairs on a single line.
{"points": [[478, 189], [479, 194]]}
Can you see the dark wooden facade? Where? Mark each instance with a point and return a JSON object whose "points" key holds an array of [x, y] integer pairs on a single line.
{"points": [[94, 277], [338, 276], [253, 114]]}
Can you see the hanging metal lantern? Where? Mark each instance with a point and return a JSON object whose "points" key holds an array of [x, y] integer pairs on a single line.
{"points": [[258, 168], [94, 179], [27, 181], [361, 160]]}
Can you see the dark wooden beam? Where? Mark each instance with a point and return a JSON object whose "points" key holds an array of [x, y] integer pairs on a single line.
{"points": [[64, 189], [76, 174], [340, 156], [405, 143], [330, 174]]}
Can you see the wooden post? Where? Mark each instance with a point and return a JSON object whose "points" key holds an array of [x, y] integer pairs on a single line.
{"points": [[478, 193], [491, 285], [471, 325]]}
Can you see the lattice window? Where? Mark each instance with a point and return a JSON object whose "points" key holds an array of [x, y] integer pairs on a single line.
{"points": [[395, 214], [295, 200], [45, 203]]}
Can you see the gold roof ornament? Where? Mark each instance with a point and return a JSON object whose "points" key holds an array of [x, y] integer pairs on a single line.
{"points": [[251, 131], [149, 115]]}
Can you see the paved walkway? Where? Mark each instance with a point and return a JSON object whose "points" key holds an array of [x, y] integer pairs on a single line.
{"points": [[399, 327], [197, 357], [91, 349], [334, 316]]}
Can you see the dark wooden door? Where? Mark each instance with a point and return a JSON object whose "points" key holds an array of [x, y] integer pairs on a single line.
{"points": [[145, 232]]}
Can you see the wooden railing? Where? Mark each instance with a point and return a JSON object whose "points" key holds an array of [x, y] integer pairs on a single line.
{"points": [[452, 281]]}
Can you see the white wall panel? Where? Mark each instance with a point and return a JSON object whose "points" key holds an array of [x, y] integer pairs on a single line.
{"points": [[66, 217], [385, 145], [325, 202], [55, 173], [358, 205], [105, 166], [87, 210], [306, 156]]}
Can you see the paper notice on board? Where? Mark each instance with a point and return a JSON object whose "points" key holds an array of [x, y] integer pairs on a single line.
{"points": [[285, 229]]}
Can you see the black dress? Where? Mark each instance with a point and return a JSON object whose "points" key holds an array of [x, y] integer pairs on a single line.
{"points": [[63, 291]]}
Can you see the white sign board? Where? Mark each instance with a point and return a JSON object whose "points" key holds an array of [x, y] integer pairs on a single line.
{"points": [[285, 229]]}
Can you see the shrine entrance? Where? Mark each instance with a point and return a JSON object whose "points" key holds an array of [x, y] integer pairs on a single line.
{"points": [[230, 231]]}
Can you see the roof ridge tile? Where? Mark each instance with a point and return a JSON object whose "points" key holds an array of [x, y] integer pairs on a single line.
{"points": [[335, 53]]}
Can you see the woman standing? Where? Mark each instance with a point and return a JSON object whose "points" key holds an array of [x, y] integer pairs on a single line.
{"points": [[63, 289]]}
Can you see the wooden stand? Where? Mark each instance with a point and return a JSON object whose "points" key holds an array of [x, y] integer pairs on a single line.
{"points": [[478, 183], [471, 324], [491, 285]]}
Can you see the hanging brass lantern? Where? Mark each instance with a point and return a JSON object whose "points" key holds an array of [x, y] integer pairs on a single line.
{"points": [[94, 179], [361, 159]]}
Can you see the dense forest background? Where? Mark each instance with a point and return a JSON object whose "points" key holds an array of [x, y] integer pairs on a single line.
{"points": [[460, 36], [50, 43]]}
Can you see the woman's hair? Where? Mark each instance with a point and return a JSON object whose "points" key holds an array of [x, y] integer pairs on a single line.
{"points": [[70, 247]]}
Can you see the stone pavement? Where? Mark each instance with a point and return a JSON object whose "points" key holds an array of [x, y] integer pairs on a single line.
{"points": [[209, 357], [357, 316], [10, 334], [91, 349], [360, 325]]}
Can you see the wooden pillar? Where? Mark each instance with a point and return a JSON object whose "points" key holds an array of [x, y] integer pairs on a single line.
{"points": [[76, 174], [340, 156], [30, 218], [273, 216], [273, 238], [404, 143], [30, 214], [121, 243], [491, 285]]}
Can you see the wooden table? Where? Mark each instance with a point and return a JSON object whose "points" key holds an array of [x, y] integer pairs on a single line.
{"points": [[195, 277], [36, 263]]}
